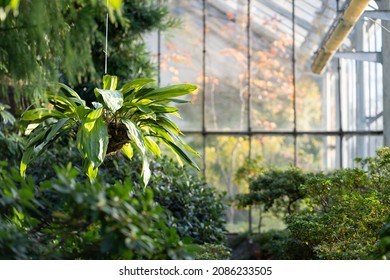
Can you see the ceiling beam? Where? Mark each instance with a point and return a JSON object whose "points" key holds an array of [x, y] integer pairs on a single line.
{"points": [[341, 28]]}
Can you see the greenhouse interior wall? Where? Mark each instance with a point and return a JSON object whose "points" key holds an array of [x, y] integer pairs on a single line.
{"points": [[258, 96]]}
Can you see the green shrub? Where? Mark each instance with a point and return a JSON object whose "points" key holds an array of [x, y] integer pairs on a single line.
{"points": [[382, 250], [276, 190], [65, 218], [195, 209], [209, 251], [346, 210]]}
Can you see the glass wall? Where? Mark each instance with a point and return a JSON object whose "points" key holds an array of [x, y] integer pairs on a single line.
{"points": [[257, 95]]}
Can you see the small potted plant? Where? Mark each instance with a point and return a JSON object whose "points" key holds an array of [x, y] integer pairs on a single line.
{"points": [[133, 117]]}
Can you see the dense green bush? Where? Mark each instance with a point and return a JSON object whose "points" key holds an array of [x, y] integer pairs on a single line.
{"points": [[195, 209], [346, 210], [276, 190], [382, 250], [67, 219], [340, 216]]}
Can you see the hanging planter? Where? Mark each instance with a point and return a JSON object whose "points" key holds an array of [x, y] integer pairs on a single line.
{"points": [[134, 117]]}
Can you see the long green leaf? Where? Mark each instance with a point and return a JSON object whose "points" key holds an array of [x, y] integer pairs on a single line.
{"points": [[40, 141], [170, 91], [145, 171], [134, 133], [41, 114], [136, 85], [152, 146], [94, 138], [73, 93], [178, 151], [112, 98], [64, 102], [27, 157]]}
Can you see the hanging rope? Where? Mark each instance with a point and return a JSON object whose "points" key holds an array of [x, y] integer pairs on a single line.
{"points": [[106, 47]]}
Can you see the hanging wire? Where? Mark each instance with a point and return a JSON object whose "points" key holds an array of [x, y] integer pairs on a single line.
{"points": [[106, 47], [377, 23]]}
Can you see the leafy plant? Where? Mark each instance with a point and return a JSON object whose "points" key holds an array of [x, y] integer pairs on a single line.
{"points": [[346, 210], [5, 116], [209, 251], [133, 117], [382, 250], [67, 218], [275, 189]]}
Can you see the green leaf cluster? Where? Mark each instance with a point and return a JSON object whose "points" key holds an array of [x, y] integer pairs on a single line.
{"points": [[346, 210], [134, 117], [341, 214], [276, 190], [68, 218]]}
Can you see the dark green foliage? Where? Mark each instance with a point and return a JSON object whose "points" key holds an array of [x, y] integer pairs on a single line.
{"points": [[342, 213], [271, 245], [195, 209], [66, 39], [67, 219], [346, 210], [213, 252], [382, 250], [277, 190]]}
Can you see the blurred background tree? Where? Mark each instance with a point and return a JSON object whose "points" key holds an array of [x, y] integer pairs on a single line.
{"points": [[43, 43]]}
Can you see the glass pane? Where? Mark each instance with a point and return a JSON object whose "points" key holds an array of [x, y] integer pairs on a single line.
{"points": [[181, 58], [359, 147], [274, 150], [316, 153], [226, 65], [315, 94], [224, 155], [271, 66]]}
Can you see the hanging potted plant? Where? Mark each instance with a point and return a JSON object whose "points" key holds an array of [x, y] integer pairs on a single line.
{"points": [[133, 117]]}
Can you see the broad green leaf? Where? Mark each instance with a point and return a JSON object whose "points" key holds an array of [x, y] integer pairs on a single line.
{"points": [[73, 93], [89, 120], [112, 98], [152, 146], [41, 114], [136, 85], [170, 91], [93, 138], [110, 82], [127, 149]]}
